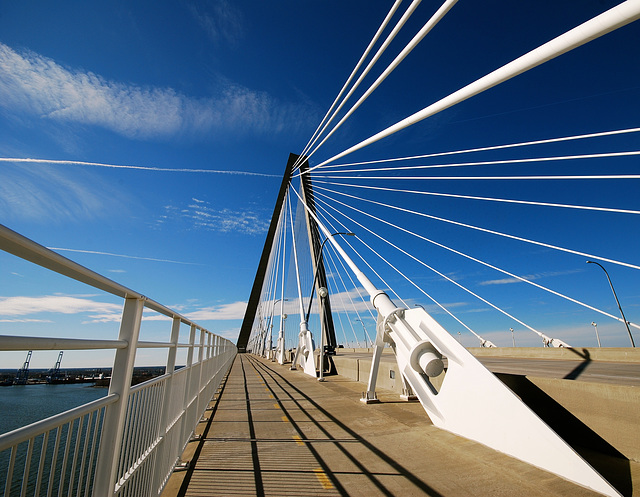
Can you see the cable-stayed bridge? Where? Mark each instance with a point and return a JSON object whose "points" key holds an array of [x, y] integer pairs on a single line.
{"points": [[358, 255]]}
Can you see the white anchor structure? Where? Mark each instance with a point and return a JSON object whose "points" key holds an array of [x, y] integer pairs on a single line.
{"points": [[471, 401], [304, 352]]}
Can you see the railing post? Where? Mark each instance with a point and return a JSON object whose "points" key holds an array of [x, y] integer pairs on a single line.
{"points": [[112, 428], [187, 391], [201, 372], [166, 401]]}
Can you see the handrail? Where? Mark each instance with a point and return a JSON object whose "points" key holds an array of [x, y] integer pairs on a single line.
{"points": [[27, 249], [14, 342], [148, 383], [134, 436], [19, 435]]}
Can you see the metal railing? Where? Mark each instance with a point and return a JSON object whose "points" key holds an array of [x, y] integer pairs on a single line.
{"points": [[129, 442]]}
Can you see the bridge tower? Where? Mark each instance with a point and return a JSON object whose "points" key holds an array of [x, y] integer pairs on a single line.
{"points": [[254, 297], [315, 245]]}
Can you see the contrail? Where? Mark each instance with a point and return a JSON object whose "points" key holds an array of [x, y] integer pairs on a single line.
{"points": [[141, 168], [124, 256]]}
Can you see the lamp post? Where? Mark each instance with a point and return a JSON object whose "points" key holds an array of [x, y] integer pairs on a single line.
{"points": [[513, 337], [365, 333], [280, 348], [315, 276], [595, 325], [313, 288], [273, 310], [624, 320], [322, 293]]}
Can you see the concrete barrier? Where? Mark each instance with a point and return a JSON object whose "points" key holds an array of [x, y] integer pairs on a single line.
{"points": [[606, 354], [609, 413]]}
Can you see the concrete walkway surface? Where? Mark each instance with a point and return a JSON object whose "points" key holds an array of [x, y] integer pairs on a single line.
{"points": [[275, 432]]}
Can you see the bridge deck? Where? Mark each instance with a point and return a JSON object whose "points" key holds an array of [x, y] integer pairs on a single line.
{"points": [[279, 432]]}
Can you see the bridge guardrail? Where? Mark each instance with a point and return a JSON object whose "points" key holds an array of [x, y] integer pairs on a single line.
{"points": [[128, 442]]}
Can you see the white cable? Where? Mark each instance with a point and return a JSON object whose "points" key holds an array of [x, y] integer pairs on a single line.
{"points": [[284, 254], [412, 282], [492, 178], [467, 256], [295, 257], [600, 25], [375, 58], [400, 272], [339, 316], [353, 284], [373, 41], [484, 149], [491, 199], [353, 305], [335, 293], [432, 269], [497, 162], [386, 284], [485, 230], [428, 26]]}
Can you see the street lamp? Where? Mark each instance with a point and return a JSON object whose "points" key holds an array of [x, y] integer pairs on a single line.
{"points": [[315, 276], [513, 337], [322, 293], [365, 334], [595, 325], [624, 320], [273, 310]]}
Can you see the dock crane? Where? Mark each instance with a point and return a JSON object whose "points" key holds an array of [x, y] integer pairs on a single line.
{"points": [[23, 373], [55, 375]]}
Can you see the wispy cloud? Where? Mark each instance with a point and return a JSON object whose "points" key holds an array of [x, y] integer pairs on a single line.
{"points": [[235, 310], [16, 308], [33, 84], [26, 320], [58, 249], [140, 168], [220, 20], [61, 304], [202, 215], [503, 281], [36, 194], [530, 277]]}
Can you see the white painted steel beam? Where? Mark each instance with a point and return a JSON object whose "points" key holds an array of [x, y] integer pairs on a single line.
{"points": [[473, 403]]}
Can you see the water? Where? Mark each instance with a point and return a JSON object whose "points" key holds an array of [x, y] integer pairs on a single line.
{"points": [[21, 405]]}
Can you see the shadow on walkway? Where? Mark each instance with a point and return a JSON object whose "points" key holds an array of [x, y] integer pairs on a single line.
{"points": [[398, 468], [594, 449]]}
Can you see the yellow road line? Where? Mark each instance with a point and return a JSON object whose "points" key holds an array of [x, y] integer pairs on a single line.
{"points": [[323, 478], [298, 440]]}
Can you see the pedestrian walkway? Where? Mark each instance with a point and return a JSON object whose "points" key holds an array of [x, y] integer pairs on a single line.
{"points": [[275, 432]]}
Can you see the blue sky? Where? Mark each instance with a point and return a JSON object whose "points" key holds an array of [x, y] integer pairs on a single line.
{"points": [[208, 98]]}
